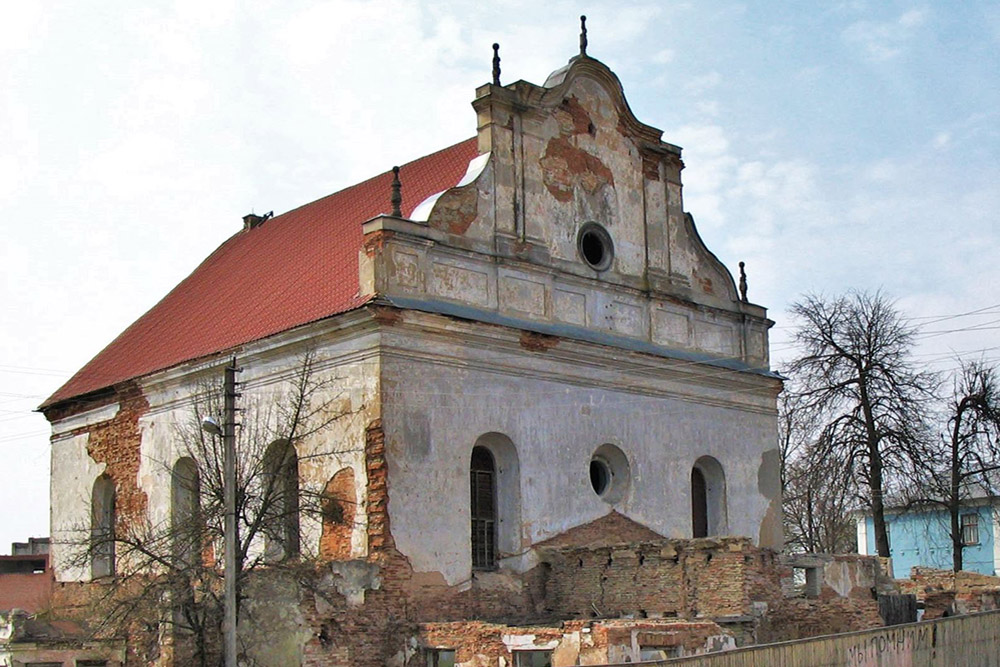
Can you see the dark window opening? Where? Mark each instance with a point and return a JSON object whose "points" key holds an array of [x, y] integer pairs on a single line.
{"points": [[532, 658], [482, 475], [600, 476], [699, 504], [440, 657], [595, 247]]}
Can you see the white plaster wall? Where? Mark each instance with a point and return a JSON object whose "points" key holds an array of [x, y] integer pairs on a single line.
{"points": [[435, 410], [348, 361], [71, 486], [266, 378]]}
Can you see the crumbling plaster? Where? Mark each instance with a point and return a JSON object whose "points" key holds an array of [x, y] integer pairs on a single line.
{"points": [[657, 355], [349, 361], [505, 244], [71, 484], [442, 392]]}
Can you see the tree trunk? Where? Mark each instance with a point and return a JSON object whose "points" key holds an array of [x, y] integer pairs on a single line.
{"points": [[874, 470], [956, 539], [955, 490]]}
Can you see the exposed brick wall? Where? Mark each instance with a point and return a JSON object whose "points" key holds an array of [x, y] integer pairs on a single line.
{"points": [[379, 537], [26, 591], [589, 578], [339, 506], [572, 642], [799, 618], [612, 528], [944, 592], [117, 444], [682, 578], [84, 609]]}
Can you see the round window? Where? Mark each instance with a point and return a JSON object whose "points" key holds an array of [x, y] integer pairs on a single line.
{"points": [[609, 473], [595, 247]]}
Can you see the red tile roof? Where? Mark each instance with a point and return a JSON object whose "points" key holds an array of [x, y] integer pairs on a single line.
{"points": [[296, 268]]}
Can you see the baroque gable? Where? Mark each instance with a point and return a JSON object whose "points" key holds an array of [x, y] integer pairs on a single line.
{"points": [[569, 222]]}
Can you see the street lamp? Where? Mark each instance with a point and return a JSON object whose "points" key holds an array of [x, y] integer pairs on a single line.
{"points": [[210, 425], [228, 432]]}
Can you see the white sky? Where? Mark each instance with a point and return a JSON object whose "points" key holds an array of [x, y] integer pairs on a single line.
{"points": [[829, 145]]}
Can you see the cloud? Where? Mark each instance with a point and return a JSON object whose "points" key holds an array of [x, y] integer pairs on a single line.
{"points": [[941, 140], [883, 41], [699, 85], [662, 57]]}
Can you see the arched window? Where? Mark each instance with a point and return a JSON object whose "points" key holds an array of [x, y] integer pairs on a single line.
{"points": [[484, 509], [280, 498], [102, 528], [185, 514], [708, 498]]}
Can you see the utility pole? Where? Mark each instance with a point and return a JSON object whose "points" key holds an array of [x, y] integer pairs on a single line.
{"points": [[231, 536]]}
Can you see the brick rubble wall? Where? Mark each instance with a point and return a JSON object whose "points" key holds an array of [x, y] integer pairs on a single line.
{"points": [[673, 578]]}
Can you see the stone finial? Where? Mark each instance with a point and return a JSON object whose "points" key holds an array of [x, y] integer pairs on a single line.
{"points": [[397, 197], [583, 35], [743, 283], [496, 64]]}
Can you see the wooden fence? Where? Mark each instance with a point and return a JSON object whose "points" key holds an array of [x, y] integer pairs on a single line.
{"points": [[961, 641]]}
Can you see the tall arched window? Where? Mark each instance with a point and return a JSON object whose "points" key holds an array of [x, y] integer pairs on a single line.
{"points": [[102, 528], [185, 515], [280, 499], [699, 504], [484, 509], [708, 498]]}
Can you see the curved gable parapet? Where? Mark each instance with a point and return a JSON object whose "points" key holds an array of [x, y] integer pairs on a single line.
{"points": [[708, 275], [560, 81], [456, 208], [572, 216]]}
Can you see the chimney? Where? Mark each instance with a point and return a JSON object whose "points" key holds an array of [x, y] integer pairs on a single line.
{"points": [[252, 220]]}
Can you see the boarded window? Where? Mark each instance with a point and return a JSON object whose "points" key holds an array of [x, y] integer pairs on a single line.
{"points": [[280, 498], [102, 528], [185, 516], [484, 513]]}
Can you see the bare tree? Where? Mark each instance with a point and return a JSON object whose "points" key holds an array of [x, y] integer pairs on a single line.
{"points": [[857, 376], [971, 442], [817, 494], [171, 571]]}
